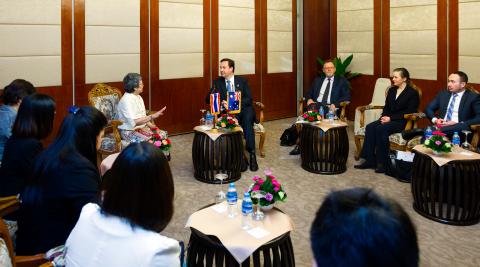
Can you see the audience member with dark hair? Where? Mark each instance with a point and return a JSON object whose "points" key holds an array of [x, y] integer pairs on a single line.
{"points": [[34, 122], [137, 125], [357, 227], [401, 99], [137, 206], [12, 97], [65, 178]]}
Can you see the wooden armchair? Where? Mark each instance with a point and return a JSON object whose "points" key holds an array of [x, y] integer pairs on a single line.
{"points": [[396, 140], [259, 129], [343, 106], [105, 98], [7, 206]]}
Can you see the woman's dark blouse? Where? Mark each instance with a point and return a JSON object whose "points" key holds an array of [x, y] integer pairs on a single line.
{"points": [[407, 102]]}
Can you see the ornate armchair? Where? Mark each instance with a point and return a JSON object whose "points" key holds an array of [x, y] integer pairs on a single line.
{"points": [[396, 140], [105, 98], [258, 127], [7, 255]]}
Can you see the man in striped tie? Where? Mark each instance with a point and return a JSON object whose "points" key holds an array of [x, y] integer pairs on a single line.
{"points": [[457, 108]]}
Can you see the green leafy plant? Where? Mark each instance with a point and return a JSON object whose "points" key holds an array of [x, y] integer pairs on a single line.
{"points": [[341, 67]]}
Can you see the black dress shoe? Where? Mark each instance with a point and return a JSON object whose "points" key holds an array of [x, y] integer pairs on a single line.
{"points": [[253, 162], [365, 165], [380, 168], [295, 151], [244, 164], [410, 134]]}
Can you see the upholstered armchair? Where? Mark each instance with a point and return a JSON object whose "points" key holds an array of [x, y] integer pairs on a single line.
{"points": [[105, 98], [375, 110], [258, 127], [7, 254]]}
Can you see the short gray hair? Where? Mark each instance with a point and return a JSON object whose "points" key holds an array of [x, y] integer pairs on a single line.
{"points": [[131, 81]]}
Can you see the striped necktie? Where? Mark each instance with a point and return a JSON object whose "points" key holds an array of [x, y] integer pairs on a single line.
{"points": [[450, 108], [229, 86]]}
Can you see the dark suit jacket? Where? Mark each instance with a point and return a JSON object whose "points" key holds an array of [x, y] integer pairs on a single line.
{"points": [[50, 209], [17, 164], [407, 102], [468, 113], [339, 91], [241, 84]]}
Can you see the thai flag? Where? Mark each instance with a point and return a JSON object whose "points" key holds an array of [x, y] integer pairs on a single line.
{"points": [[215, 103]]}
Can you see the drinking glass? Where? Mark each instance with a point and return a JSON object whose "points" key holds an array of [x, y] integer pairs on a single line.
{"points": [[202, 120], [466, 145], [221, 196], [258, 214]]}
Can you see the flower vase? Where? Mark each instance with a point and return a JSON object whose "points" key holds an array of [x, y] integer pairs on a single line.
{"points": [[438, 153], [167, 154], [267, 208]]}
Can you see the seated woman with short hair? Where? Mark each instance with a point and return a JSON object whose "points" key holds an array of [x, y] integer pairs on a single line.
{"points": [[124, 230], [137, 125]]}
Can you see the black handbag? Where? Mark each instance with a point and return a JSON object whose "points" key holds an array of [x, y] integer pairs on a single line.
{"points": [[397, 168], [289, 136]]}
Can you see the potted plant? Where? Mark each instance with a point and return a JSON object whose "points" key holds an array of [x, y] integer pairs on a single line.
{"points": [[438, 143], [341, 67]]}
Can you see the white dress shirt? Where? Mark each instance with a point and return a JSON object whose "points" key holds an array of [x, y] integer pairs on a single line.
{"points": [[130, 107], [105, 240], [456, 107], [323, 88]]}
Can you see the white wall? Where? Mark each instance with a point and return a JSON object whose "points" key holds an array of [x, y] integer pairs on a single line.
{"points": [[469, 39], [279, 36]]}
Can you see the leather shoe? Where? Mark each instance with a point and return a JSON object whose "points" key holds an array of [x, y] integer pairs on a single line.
{"points": [[295, 151], [244, 164], [410, 134], [364, 165], [253, 162], [380, 168]]}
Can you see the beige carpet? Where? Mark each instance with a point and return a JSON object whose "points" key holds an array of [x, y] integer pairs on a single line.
{"points": [[440, 245]]}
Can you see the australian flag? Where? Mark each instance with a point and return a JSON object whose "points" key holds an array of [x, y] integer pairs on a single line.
{"points": [[215, 103], [234, 102]]}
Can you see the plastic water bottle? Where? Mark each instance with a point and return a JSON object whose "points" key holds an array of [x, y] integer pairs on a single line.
{"points": [[232, 200], [330, 116], [209, 119], [428, 133], [456, 139], [321, 112], [247, 210]]}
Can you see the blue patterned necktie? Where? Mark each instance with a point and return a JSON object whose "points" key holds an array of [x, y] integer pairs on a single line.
{"points": [[450, 108], [229, 86]]}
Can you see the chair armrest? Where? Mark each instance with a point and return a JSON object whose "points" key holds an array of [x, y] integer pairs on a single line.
{"points": [[8, 205], [362, 110], [476, 135], [344, 103], [27, 261], [261, 106], [301, 103], [343, 106], [414, 116]]}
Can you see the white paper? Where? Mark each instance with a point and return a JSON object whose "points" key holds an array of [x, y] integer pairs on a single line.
{"points": [[220, 208], [405, 156], [258, 232]]}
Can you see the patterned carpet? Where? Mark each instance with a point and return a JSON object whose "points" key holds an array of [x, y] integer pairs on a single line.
{"points": [[440, 245]]}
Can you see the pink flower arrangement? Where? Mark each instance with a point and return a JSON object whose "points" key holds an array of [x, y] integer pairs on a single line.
{"points": [[311, 116], [161, 142], [272, 188], [438, 142]]}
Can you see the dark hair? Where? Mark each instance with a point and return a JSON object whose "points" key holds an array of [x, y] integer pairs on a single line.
{"points": [[463, 76], [131, 81], [16, 91], [140, 187], [35, 117], [231, 63], [328, 61], [403, 73], [356, 227], [77, 135]]}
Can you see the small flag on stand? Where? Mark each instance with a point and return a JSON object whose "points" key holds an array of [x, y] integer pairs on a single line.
{"points": [[234, 102], [215, 103]]}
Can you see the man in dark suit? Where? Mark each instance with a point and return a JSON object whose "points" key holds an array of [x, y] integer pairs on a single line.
{"points": [[228, 82], [455, 109], [326, 92]]}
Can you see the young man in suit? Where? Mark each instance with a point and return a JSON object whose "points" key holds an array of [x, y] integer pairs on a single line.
{"points": [[328, 91], [229, 82], [455, 109]]}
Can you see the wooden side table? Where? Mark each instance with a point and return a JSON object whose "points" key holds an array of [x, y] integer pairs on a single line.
{"points": [[324, 152], [224, 155], [448, 194]]}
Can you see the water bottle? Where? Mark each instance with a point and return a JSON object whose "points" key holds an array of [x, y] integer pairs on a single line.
{"points": [[456, 139], [232, 200], [428, 133], [321, 112], [247, 210], [209, 119], [330, 116]]}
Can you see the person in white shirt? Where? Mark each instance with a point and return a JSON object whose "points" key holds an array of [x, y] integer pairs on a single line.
{"points": [[137, 125], [124, 230]]}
